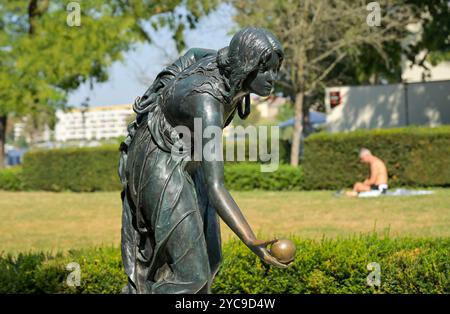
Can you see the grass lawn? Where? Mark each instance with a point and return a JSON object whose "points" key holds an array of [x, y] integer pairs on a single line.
{"points": [[61, 221]]}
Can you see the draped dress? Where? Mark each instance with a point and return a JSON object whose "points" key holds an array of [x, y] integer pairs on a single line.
{"points": [[170, 237]]}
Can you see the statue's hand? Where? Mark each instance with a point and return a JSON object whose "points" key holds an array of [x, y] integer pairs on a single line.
{"points": [[259, 247]]}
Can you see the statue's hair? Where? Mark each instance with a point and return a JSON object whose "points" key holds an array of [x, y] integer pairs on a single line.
{"points": [[249, 49]]}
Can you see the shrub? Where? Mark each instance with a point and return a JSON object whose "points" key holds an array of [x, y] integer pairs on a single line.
{"points": [[415, 156], [95, 169], [340, 266], [11, 179], [75, 169], [248, 176], [326, 266], [283, 149], [101, 271]]}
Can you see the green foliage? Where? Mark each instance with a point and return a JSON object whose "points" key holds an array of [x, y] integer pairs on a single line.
{"points": [[101, 272], [339, 266], [248, 176], [285, 112], [42, 58], [327, 266], [436, 27], [241, 145], [414, 156], [253, 119], [322, 50], [11, 179], [95, 169], [75, 169], [45, 57]]}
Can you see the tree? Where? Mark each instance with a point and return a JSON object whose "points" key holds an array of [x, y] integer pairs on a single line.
{"points": [[42, 58], [434, 39], [321, 38]]}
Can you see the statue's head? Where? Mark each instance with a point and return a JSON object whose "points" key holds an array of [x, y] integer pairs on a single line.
{"points": [[251, 61]]}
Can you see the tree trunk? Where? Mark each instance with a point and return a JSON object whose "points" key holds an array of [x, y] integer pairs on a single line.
{"points": [[298, 129], [2, 140], [36, 8]]}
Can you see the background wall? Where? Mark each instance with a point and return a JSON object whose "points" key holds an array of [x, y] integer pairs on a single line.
{"points": [[387, 106]]}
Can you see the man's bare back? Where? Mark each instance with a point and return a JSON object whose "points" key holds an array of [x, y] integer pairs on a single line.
{"points": [[378, 179], [378, 172]]}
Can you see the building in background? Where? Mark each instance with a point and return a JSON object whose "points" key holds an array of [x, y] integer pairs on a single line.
{"points": [[421, 98], [87, 126], [84, 125], [387, 106], [413, 73], [20, 131], [92, 124]]}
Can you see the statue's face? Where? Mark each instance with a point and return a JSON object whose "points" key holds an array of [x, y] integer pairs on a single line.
{"points": [[261, 82]]}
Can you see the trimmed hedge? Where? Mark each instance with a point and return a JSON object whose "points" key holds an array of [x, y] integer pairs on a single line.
{"points": [[414, 156], [283, 150], [74, 169], [248, 176], [11, 179], [95, 169], [327, 266]]}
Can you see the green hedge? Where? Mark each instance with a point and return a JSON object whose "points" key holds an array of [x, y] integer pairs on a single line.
{"points": [[11, 179], [95, 169], [75, 169], [248, 176], [415, 156], [283, 149], [327, 266]]}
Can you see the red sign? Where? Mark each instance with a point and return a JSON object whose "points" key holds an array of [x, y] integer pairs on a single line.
{"points": [[335, 99]]}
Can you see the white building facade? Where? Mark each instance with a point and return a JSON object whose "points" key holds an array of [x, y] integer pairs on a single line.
{"points": [[387, 106], [95, 123]]}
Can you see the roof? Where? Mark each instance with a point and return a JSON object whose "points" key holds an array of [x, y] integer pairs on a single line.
{"points": [[103, 108]]}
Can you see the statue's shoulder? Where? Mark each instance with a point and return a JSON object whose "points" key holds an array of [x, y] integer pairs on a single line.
{"points": [[202, 77]]}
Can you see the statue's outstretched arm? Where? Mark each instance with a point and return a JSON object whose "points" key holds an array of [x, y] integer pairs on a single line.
{"points": [[211, 113]]}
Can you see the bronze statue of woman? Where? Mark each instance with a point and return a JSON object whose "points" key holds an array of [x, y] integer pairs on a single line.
{"points": [[170, 228]]}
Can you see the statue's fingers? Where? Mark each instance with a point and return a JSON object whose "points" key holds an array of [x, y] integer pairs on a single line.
{"points": [[273, 261], [257, 242], [266, 243]]}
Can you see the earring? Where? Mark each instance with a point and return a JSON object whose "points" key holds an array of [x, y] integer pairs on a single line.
{"points": [[244, 113]]}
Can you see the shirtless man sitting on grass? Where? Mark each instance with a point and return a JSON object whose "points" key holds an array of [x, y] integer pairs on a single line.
{"points": [[378, 175]]}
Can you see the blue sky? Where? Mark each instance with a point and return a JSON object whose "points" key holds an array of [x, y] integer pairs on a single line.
{"points": [[130, 78]]}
